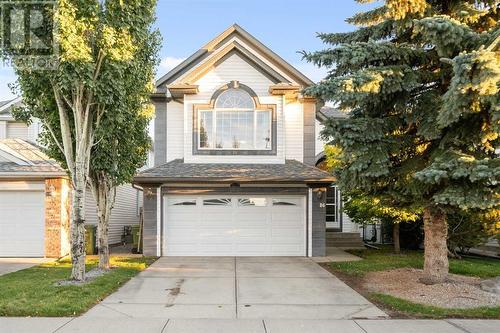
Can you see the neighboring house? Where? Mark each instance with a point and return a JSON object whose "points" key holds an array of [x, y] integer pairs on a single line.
{"points": [[34, 202], [125, 212], [12, 129], [235, 155]]}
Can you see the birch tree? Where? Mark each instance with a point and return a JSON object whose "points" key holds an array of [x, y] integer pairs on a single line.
{"points": [[97, 46]]}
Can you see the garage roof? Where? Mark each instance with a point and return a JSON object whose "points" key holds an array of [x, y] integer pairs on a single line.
{"points": [[177, 171], [19, 158]]}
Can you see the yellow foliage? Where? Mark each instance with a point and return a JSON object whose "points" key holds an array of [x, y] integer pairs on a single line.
{"points": [[333, 157], [400, 9], [117, 43], [372, 86], [74, 33], [148, 111]]}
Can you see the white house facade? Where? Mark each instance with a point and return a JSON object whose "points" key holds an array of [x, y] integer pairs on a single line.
{"points": [[234, 157]]}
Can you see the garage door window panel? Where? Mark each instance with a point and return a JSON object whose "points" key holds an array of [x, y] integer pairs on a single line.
{"points": [[182, 202], [286, 202], [217, 202], [252, 202]]}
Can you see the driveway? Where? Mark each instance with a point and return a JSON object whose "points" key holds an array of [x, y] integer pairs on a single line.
{"points": [[241, 287], [9, 265]]}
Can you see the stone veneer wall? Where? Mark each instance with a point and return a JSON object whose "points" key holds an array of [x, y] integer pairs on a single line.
{"points": [[57, 215]]}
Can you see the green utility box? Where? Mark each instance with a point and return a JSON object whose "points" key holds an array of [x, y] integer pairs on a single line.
{"points": [[135, 235], [90, 239]]}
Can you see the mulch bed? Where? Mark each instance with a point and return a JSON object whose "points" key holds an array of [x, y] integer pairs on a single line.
{"points": [[459, 291]]}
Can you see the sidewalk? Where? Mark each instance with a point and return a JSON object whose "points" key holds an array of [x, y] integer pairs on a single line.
{"points": [[156, 325]]}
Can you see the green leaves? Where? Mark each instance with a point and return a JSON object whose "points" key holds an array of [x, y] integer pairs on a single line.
{"points": [[474, 87], [420, 81], [446, 34]]}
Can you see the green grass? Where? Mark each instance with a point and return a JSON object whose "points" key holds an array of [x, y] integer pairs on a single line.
{"points": [[432, 312], [32, 291], [384, 259]]}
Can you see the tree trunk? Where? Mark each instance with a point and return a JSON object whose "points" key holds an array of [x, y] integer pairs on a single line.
{"points": [[395, 238], [78, 228], [436, 251], [104, 194]]}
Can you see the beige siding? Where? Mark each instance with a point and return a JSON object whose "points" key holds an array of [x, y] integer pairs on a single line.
{"points": [[294, 131], [233, 68], [17, 130], [320, 144], [175, 131], [124, 213], [3, 130]]}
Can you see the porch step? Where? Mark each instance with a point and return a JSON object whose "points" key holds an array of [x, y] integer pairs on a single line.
{"points": [[344, 239]]}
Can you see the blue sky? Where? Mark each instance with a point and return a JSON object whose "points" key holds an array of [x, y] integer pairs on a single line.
{"points": [[286, 26]]}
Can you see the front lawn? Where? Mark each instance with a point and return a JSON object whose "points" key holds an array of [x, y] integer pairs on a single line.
{"points": [[383, 260], [33, 291]]}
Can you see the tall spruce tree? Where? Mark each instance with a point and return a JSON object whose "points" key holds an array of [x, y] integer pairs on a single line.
{"points": [[421, 81]]}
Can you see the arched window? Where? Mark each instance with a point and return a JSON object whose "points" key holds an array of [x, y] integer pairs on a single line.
{"points": [[235, 123], [234, 99]]}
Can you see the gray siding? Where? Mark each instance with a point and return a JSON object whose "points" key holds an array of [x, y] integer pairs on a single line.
{"points": [[124, 212], [318, 223], [150, 216], [160, 139]]}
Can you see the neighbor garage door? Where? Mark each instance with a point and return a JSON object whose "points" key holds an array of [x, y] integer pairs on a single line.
{"points": [[234, 226], [21, 223]]}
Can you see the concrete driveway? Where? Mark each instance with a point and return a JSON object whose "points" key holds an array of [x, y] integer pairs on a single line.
{"points": [[9, 265], [242, 287]]}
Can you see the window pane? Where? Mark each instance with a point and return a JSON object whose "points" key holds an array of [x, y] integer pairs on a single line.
{"points": [[206, 136], [257, 202], [234, 99], [331, 209], [217, 202], [263, 130], [182, 202], [234, 130], [286, 202]]}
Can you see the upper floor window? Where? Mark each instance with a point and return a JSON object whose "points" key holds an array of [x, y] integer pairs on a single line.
{"points": [[235, 123]]}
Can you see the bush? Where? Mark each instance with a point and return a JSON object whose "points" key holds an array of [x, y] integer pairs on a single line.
{"points": [[470, 229]]}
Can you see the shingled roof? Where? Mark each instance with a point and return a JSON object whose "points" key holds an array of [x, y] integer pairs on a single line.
{"points": [[291, 171], [21, 158]]}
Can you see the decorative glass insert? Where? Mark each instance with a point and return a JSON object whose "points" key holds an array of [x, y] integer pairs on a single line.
{"points": [[235, 124], [285, 202], [182, 202], [217, 202], [256, 202], [234, 99]]}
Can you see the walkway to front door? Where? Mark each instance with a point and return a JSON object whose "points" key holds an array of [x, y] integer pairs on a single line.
{"points": [[241, 287]]}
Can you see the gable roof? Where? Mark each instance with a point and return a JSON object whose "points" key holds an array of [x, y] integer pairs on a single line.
{"points": [[20, 158], [6, 106], [214, 47]]}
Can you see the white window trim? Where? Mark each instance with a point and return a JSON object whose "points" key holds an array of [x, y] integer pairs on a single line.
{"points": [[214, 128]]}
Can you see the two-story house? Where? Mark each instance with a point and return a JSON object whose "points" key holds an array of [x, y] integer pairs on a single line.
{"points": [[234, 157]]}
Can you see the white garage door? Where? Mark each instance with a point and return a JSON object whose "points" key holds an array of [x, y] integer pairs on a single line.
{"points": [[21, 224], [234, 226]]}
